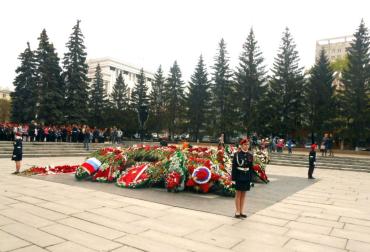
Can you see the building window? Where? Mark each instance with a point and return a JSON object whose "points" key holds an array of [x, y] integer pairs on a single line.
{"points": [[125, 72], [112, 68], [4, 95]]}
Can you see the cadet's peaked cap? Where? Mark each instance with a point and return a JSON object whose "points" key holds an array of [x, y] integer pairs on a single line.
{"points": [[244, 141]]}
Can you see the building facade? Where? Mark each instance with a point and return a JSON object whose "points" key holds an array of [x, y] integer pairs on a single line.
{"points": [[111, 68], [335, 48], [4, 94]]}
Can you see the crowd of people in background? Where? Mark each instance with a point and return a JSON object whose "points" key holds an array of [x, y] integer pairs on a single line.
{"points": [[278, 144], [74, 133], [35, 132]]}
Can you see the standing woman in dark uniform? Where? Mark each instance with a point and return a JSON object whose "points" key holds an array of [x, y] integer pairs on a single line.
{"points": [[241, 176], [17, 152]]}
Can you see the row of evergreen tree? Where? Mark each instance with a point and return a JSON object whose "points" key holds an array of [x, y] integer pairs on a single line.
{"points": [[290, 102]]}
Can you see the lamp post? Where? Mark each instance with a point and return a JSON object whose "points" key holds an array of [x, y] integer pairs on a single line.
{"points": [[143, 117]]}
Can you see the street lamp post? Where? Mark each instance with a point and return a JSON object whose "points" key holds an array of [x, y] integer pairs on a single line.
{"points": [[143, 117]]}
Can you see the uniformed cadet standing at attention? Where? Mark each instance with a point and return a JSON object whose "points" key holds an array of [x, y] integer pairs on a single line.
{"points": [[17, 152], [311, 161], [241, 176]]}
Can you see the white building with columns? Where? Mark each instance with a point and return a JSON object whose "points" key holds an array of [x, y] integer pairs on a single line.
{"points": [[111, 68]]}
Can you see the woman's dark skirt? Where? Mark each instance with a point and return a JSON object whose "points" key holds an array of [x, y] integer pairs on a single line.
{"points": [[242, 185], [17, 157]]}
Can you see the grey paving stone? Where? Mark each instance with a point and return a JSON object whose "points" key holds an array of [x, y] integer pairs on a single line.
{"points": [[69, 246], [32, 248], [357, 228], [304, 246], [26, 218], [31, 234], [309, 228], [10, 242], [351, 235], [268, 220], [358, 246], [39, 211], [357, 221], [111, 223], [320, 222], [325, 240], [116, 214], [164, 227], [60, 208], [252, 235], [81, 238], [146, 244], [182, 242], [223, 241], [4, 220], [92, 228]]}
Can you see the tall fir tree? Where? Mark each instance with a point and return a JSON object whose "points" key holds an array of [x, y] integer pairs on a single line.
{"points": [[139, 96], [250, 84], [320, 97], [51, 89], [198, 100], [356, 93], [285, 93], [98, 99], [223, 95], [75, 78], [156, 100], [24, 97], [119, 95], [174, 99]]}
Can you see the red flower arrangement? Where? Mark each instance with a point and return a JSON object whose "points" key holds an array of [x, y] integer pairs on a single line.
{"points": [[260, 173], [134, 177], [173, 180], [50, 170], [202, 178]]}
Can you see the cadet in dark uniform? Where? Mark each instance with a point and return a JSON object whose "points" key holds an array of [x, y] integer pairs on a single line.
{"points": [[241, 176], [311, 161], [17, 152]]}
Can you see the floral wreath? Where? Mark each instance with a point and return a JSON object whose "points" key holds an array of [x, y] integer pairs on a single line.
{"points": [[134, 177], [88, 168], [201, 175], [175, 178]]}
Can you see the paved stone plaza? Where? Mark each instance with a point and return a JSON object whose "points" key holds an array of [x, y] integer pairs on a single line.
{"points": [[329, 214]]}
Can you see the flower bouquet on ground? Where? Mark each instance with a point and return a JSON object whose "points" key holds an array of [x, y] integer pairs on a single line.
{"points": [[200, 152], [147, 153], [87, 169], [263, 156], [225, 186], [157, 173], [176, 174], [136, 176], [224, 158], [50, 170], [113, 161], [201, 176], [259, 174], [201, 179]]}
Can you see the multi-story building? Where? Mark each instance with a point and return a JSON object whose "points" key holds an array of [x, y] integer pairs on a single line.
{"points": [[111, 68], [4, 94], [334, 47]]}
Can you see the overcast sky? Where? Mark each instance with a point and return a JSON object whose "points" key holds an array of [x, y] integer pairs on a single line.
{"points": [[147, 33]]}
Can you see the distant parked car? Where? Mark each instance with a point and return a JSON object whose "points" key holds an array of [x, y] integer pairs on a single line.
{"points": [[307, 145], [293, 145], [206, 139]]}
